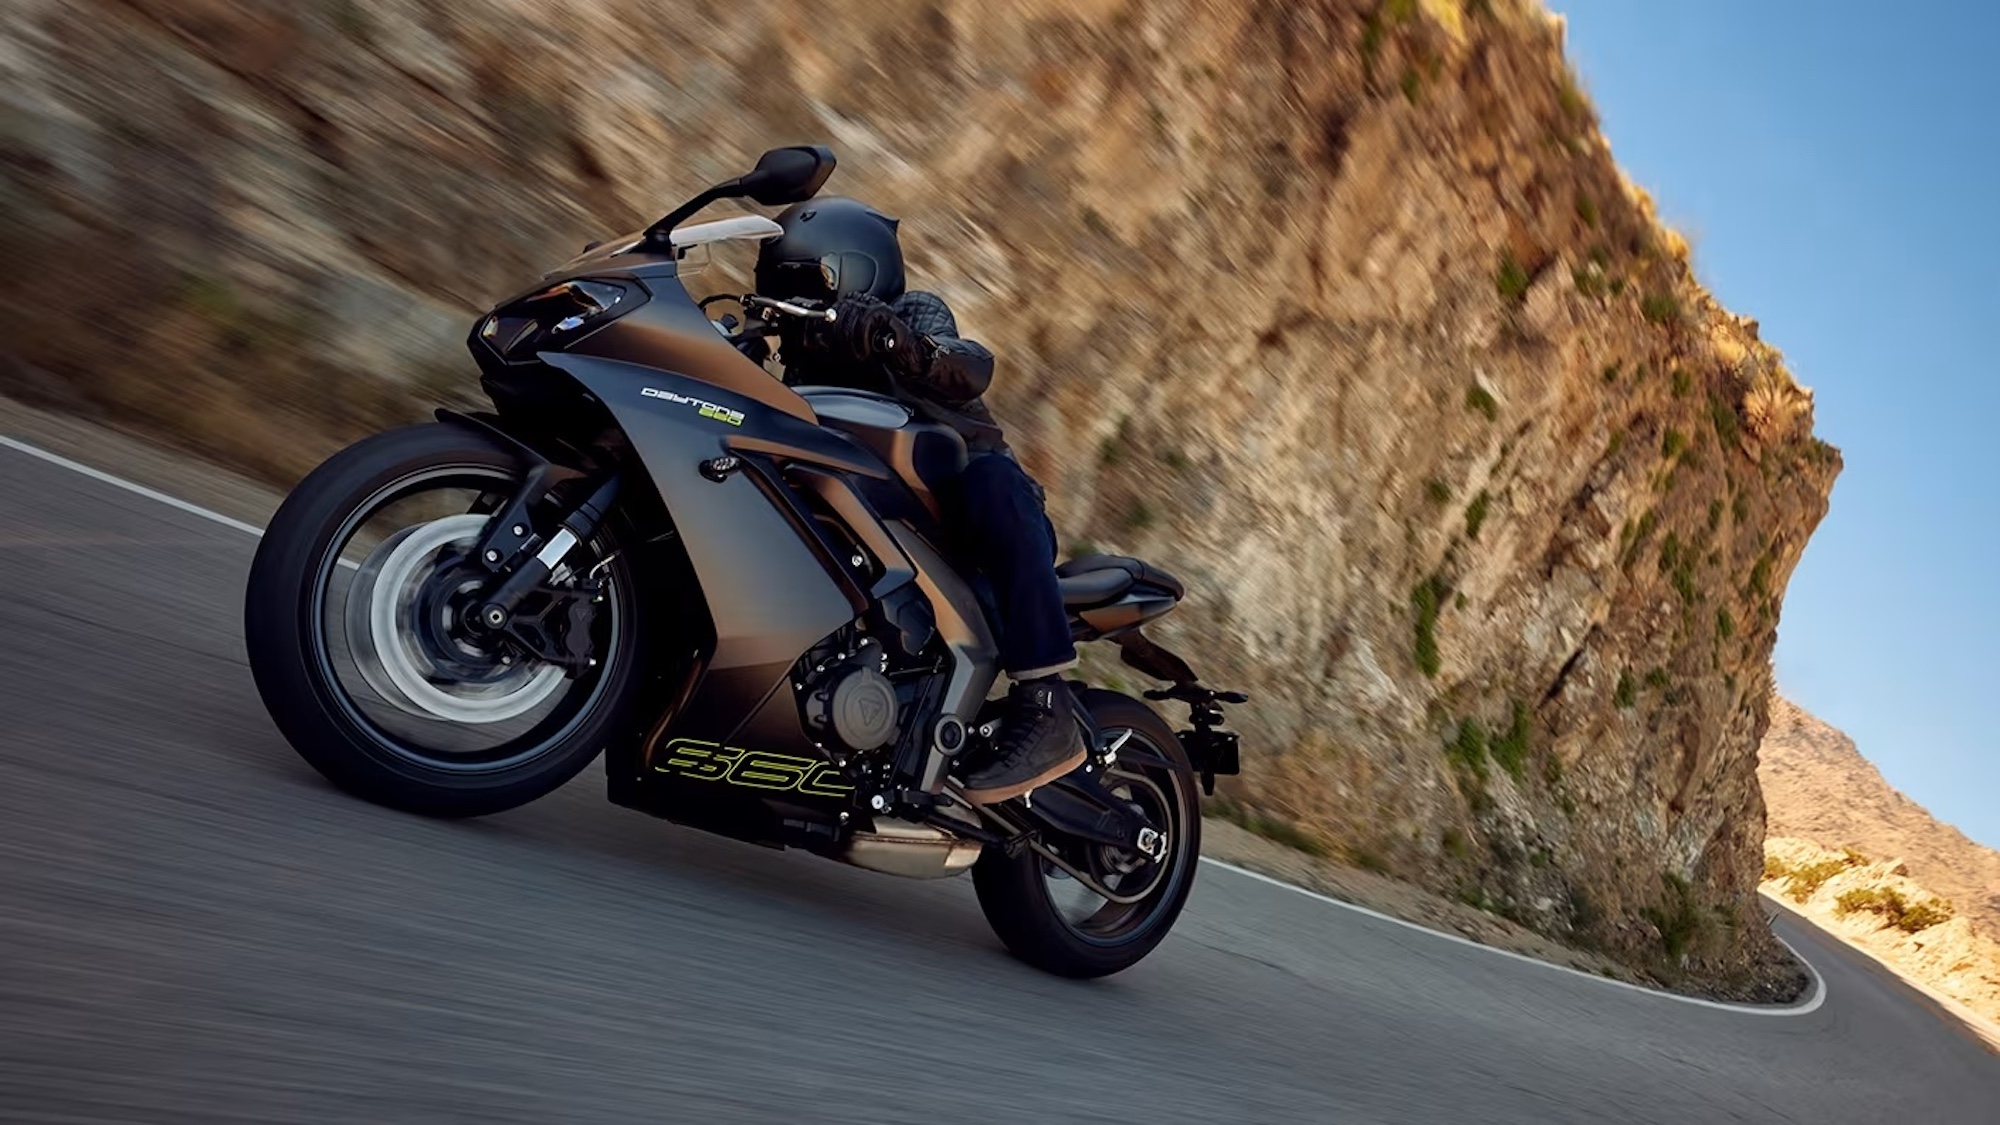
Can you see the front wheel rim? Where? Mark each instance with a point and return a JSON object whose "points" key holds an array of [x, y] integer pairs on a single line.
{"points": [[387, 722]]}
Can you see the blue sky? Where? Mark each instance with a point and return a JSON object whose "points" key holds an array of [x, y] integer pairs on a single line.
{"points": [[1837, 167]]}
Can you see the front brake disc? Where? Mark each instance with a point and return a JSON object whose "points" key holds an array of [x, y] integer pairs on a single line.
{"points": [[382, 637]]}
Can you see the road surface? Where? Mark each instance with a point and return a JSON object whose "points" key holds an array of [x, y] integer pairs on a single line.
{"points": [[193, 927]]}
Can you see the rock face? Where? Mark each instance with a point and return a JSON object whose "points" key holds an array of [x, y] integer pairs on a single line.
{"points": [[1818, 787], [1340, 309]]}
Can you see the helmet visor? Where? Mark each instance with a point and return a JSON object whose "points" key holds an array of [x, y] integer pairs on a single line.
{"points": [[826, 279], [791, 281]]}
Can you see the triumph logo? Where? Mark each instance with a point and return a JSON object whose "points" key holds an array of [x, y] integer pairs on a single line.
{"points": [[705, 409]]}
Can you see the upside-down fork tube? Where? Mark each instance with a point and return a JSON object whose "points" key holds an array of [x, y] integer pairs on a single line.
{"points": [[578, 526]]}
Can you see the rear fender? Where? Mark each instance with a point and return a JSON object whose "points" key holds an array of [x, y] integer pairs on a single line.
{"points": [[1210, 749]]}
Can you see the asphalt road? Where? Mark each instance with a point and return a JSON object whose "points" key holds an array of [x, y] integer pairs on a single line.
{"points": [[193, 927]]}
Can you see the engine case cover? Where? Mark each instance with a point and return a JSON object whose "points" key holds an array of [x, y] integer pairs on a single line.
{"points": [[859, 705]]}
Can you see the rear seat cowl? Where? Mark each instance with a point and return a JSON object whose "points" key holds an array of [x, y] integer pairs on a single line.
{"points": [[1095, 579]]}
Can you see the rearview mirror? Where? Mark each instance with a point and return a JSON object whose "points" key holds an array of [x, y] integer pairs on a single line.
{"points": [[788, 175], [792, 174]]}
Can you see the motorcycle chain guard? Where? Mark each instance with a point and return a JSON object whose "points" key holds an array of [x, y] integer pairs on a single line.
{"points": [[1078, 805]]}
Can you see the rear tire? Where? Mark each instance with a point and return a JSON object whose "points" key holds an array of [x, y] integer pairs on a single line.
{"points": [[284, 632], [1014, 893]]}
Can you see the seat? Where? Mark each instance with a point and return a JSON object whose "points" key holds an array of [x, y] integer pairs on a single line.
{"points": [[1096, 587], [1095, 580]]}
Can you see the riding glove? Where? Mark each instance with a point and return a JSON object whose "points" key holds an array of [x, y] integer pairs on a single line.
{"points": [[866, 331]]}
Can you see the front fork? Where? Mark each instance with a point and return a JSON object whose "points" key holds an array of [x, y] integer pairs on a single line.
{"points": [[552, 623]]}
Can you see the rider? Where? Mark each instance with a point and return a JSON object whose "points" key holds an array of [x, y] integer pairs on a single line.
{"points": [[887, 338]]}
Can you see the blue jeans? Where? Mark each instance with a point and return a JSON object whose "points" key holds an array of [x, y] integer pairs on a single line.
{"points": [[996, 513]]}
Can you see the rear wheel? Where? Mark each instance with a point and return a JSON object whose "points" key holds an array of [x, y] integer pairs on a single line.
{"points": [[363, 647], [1071, 926]]}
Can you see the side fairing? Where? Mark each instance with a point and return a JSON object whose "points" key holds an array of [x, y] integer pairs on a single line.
{"points": [[769, 589]]}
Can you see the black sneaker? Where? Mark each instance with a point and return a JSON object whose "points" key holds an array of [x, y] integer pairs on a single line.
{"points": [[1039, 742]]}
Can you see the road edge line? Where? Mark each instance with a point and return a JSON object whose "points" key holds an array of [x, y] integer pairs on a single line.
{"points": [[1806, 1007], [103, 477], [1811, 1005]]}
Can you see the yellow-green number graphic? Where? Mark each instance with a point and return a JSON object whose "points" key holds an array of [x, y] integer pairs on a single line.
{"points": [[702, 760], [753, 769]]}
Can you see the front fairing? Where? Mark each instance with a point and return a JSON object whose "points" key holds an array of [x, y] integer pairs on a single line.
{"points": [[601, 252], [663, 329]]}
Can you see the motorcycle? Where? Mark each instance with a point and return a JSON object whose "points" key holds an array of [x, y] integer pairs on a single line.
{"points": [[738, 592]]}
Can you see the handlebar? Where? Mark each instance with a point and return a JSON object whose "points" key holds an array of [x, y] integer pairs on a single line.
{"points": [[788, 308], [750, 337]]}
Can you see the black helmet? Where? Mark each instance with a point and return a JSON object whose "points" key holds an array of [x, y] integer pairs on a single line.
{"points": [[832, 247]]}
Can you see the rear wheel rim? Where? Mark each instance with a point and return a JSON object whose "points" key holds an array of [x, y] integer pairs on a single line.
{"points": [[517, 729], [1094, 919]]}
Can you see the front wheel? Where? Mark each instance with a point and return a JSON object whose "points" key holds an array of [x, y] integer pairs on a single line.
{"points": [[1064, 925], [362, 645]]}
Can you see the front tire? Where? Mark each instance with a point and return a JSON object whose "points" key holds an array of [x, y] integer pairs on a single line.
{"points": [[1015, 893], [290, 641]]}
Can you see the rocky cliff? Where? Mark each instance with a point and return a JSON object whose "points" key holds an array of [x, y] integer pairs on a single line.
{"points": [[1339, 308]]}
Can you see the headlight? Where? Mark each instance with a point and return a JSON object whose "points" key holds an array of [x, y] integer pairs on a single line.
{"points": [[558, 315]]}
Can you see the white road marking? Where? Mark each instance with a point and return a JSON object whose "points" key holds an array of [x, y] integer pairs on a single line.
{"points": [[129, 486], [1811, 1005]]}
